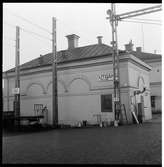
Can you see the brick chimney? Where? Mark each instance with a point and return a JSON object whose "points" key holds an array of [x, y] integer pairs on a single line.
{"points": [[41, 61], [138, 49], [72, 41], [129, 46], [99, 39]]}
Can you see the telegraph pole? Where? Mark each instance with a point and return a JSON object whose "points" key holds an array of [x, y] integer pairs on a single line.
{"points": [[54, 75], [116, 71], [17, 80]]}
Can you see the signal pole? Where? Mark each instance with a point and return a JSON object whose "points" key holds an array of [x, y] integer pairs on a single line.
{"points": [[54, 75], [116, 72], [17, 80]]}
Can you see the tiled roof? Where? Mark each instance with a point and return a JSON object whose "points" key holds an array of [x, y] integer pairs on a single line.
{"points": [[80, 53], [146, 56]]}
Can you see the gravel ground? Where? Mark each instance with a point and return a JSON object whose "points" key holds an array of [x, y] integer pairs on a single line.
{"points": [[130, 144]]}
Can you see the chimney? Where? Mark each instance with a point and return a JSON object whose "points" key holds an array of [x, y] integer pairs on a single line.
{"points": [[139, 49], [41, 61], [72, 41], [129, 46], [99, 39]]}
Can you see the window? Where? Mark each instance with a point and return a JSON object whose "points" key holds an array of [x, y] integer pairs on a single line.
{"points": [[153, 101], [106, 103]]}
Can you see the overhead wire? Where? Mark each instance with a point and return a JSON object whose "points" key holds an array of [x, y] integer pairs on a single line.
{"points": [[11, 39], [25, 19], [72, 28], [145, 19], [141, 22], [142, 31], [8, 43], [28, 31], [31, 32], [10, 25]]}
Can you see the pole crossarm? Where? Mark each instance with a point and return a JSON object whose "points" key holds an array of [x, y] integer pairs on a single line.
{"points": [[139, 12]]}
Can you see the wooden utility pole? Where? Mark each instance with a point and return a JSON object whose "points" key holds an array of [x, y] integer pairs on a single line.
{"points": [[17, 80], [54, 75]]}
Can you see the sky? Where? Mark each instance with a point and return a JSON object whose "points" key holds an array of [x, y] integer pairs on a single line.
{"points": [[87, 20]]}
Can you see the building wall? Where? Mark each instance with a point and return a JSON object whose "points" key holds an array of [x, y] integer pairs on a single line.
{"points": [[156, 72], [155, 84], [79, 91], [138, 79], [156, 91]]}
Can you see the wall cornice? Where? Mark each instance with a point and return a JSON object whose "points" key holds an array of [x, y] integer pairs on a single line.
{"points": [[83, 64]]}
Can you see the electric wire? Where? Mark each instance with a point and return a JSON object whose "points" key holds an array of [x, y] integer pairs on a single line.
{"points": [[23, 30], [28, 31], [141, 22], [10, 25], [31, 32], [8, 43], [145, 19], [8, 38], [142, 36], [24, 19], [66, 26]]}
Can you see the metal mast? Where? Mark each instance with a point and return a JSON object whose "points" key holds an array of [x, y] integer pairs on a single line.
{"points": [[54, 75], [116, 73], [17, 80]]}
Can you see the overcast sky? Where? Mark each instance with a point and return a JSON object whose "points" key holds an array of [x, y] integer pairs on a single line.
{"points": [[86, 20]]}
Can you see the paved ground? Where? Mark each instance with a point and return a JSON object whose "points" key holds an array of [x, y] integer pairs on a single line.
{"points": [[131, 144]]}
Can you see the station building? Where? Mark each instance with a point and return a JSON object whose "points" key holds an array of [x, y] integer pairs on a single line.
{"points": [[85, 83], [155, 61]]}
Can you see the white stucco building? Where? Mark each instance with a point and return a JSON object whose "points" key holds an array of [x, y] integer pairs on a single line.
{"points": [[155, 61], [85, 85]]}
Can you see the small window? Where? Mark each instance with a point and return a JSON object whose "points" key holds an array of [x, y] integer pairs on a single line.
{"points": [[153, 101], [106, 103], [157, 70]]}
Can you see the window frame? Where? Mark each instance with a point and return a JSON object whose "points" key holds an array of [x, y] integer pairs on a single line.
{"points": [[153, 101], [104, 106]]}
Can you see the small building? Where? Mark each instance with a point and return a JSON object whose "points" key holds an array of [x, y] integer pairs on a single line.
{"points": [[85, 83], [155, 61]]}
